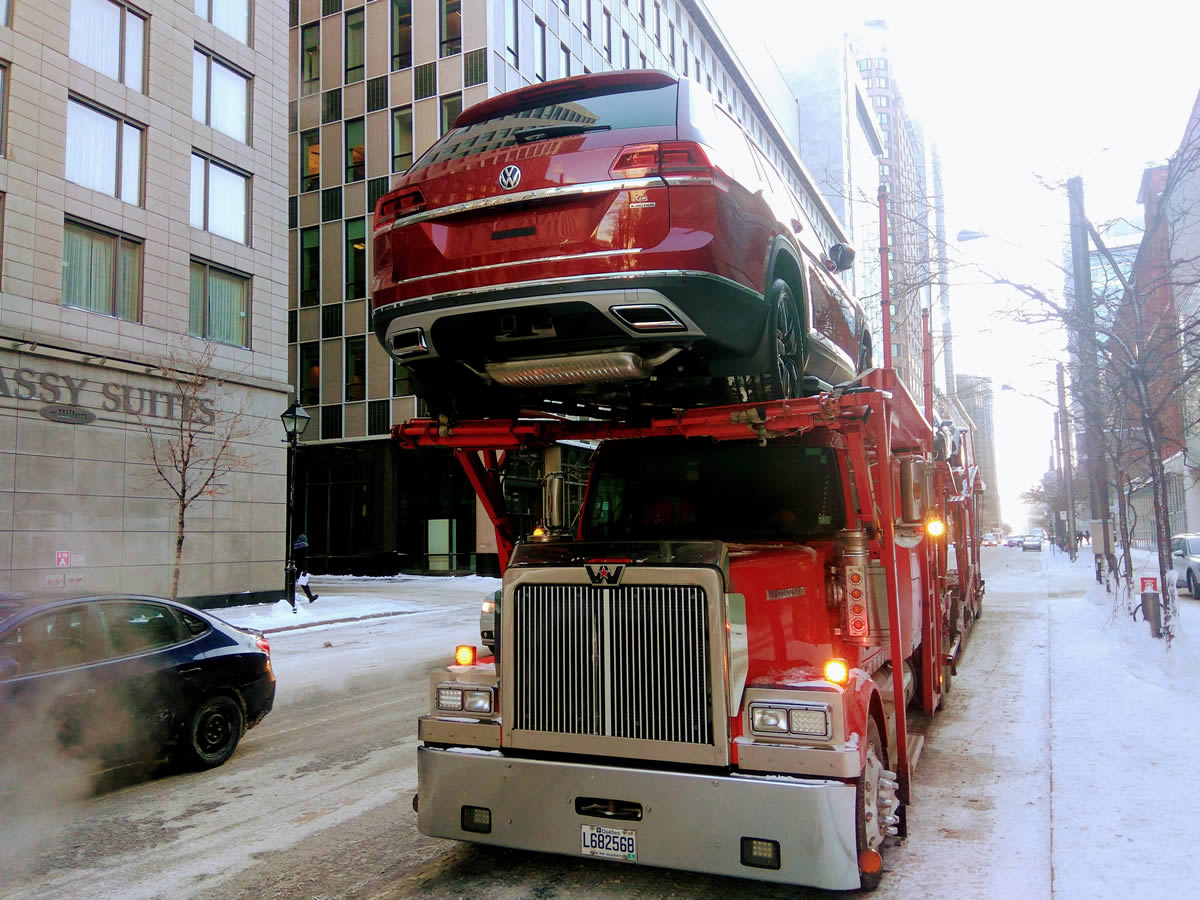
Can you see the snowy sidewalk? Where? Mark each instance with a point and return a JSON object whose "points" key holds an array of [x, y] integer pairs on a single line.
{"points": [[345, 598], [1123, 742]]}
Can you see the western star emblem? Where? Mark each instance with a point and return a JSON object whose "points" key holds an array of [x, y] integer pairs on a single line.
{"points": [[604, 573], [510, 177]]}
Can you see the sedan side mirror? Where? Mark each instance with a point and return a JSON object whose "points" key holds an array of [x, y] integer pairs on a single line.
{"points": [[1179, 553]]}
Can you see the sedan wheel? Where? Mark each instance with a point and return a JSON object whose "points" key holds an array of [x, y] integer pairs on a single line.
{"points": [[1191, 580], [214, 730]]}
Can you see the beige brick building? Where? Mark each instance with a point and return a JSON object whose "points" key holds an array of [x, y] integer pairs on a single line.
{"points": [[143, 177]]}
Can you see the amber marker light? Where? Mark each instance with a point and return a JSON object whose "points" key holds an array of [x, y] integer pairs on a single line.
{"points": [[464, 655], [837, 671], [539, 531], [935, 528]]}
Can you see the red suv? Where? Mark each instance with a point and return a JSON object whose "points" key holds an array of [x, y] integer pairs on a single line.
{"points": [[606, 242]]}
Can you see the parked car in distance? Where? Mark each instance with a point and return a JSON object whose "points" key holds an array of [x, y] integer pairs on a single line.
{"points": [[606, 241], [1014, 540], [990, 539], [1185, 561], [1031, 542], [124, 678]]}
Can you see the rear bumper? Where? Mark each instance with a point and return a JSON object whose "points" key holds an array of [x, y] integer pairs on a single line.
{"points": [[690, 821], [259, 696], [574, 314]]}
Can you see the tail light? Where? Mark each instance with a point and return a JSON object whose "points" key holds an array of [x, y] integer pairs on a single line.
{"points": [[670, 159], [391, 206], [262, 644]]}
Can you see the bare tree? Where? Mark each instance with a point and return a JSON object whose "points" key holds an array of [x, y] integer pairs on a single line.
{"points": [[202, 439]]}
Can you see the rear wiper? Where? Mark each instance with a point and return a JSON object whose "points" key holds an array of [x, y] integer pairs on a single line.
{"points": [[543, 132]]}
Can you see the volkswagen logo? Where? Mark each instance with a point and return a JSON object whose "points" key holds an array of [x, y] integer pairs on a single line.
{"points": [[510, 177]]}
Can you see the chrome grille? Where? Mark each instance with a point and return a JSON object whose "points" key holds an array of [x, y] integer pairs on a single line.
{"points": [[627, 662]]}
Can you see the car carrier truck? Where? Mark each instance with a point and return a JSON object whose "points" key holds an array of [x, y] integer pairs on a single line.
{"points": [[717, 666]]}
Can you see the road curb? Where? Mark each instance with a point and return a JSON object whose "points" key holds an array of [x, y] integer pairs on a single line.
{"points": [[303, 625]]}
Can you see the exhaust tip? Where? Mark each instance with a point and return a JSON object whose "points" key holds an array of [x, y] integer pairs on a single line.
{"points": [[410, 342], [648, 317], [584, 368]]}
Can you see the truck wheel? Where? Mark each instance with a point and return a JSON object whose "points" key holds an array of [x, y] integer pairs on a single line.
{"points": [[875, 809]]}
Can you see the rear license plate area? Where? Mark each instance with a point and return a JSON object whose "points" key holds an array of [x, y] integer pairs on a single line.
{"points": [[609, 843]]}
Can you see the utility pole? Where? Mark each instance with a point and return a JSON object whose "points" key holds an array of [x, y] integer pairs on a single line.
{"points": [[1089, 376], [1064, 424]]}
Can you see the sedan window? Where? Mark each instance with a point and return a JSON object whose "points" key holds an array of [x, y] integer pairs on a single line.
{"points": [[135, 627], [52, 640], [1193, 547]]}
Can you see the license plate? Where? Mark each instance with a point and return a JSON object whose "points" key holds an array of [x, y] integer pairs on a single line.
{"points": [[611, 843]]}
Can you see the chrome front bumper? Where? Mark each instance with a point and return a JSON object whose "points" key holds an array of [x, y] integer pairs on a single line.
{"points": [[690, 821]]}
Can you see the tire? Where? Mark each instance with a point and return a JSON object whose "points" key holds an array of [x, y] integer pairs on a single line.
{"points": [[873, 803], [782, 379], [865, 353], [213, 731]]}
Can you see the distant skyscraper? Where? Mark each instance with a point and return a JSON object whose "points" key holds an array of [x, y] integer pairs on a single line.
{"points": [[975, 394]]}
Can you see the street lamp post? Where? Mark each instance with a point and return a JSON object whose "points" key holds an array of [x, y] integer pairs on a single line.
{"points": [[295, 420]]}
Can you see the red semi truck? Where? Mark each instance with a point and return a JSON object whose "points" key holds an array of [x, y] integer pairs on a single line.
{"points": [[715, 667]]}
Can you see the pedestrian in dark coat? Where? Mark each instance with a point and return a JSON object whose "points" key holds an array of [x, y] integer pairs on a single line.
{"points": [[300, 555]]}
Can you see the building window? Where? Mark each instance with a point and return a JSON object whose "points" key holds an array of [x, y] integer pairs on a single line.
{"points": [[625, 56], [511, 36], [425, 81], [402, 139], [110, 38], [331, 106], [219, 309], [220, 95], [310, 266], [104, 152], [607, 35], [657, 25], [3, 107], [475, 67], [401, 34], [356, 150], [881, 100], [356, 258], [356, 369], [309, 379], [883, 118], [587, 19], [355, 37], [641, 60], [881, 63], [882, 82], [310, 160], [671, 44], [685, 59], [564, 60], [101, 272], [231, 16], [401, 380], [310, 59], [219, 199], [331, 320], [331, 423], [642, 13], [864, 65], [451, 108], [539, 49], [450, 26]]}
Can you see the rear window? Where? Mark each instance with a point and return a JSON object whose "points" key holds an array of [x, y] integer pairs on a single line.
{"points": [[605, 112]]}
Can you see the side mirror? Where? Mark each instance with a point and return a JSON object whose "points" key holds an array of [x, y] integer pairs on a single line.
{"points": [[1179, 553], [554, 500], [842, 257]]}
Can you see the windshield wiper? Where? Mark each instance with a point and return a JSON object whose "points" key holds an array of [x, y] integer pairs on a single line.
{"points": [[544, 132]]}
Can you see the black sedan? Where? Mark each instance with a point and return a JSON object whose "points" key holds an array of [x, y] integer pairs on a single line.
{"points": [[124, 678]]}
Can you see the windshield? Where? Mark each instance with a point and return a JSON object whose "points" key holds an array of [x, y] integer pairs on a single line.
{"points": [[605, 112], [695, 489]]}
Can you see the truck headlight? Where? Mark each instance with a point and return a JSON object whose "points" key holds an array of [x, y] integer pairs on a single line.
{"points": [[811, 721], [449, 698], [769, 720], [477, 701]]}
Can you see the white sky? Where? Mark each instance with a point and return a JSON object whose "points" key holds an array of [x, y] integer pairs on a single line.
{"points": [[1011, 93]]}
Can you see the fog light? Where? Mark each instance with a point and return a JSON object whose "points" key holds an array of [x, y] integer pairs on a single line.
{"points": [[477, 701], [478, 819], [449, 698], [814, 722], [760, 853], [769, 720]]}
